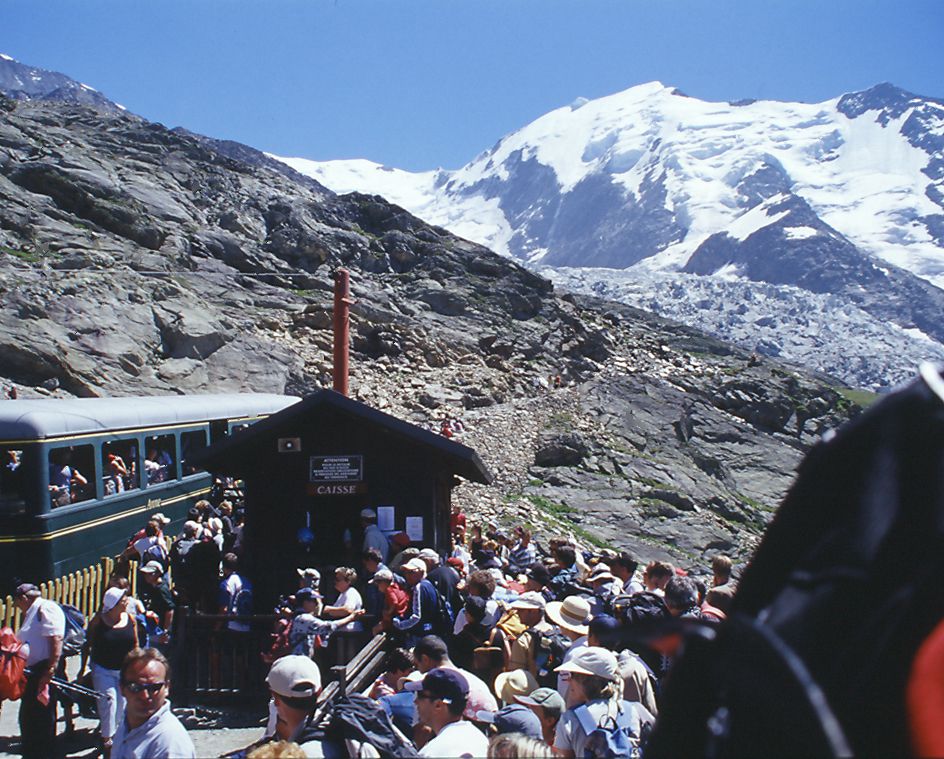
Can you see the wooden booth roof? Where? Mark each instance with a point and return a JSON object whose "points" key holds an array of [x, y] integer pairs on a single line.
{"points": [[235, 454]]}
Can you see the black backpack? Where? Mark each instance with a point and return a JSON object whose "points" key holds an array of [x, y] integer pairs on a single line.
{"points": [[816, 655], [550, 647], [363, 719]]}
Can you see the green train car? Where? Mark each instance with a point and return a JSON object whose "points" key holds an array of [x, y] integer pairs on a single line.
{"points": [[78, 477]]}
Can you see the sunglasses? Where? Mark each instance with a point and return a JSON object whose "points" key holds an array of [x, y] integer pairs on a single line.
{"points": [[141, 687]]}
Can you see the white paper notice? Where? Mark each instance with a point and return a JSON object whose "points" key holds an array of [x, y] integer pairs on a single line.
{"points": [[385, 516], [414, 528]]}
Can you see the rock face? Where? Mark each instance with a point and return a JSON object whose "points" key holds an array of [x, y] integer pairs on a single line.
{"points": [[135, 259]]}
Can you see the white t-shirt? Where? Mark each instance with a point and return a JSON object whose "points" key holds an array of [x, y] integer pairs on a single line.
{"points": [[231, 586], [43, 620], [351, 599], [457, 739]]}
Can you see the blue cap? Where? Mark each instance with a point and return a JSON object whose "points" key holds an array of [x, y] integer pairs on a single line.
{"points": [[514, 718]]}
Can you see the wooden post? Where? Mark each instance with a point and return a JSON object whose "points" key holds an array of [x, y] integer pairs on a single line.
{"points": [[342, 302]]}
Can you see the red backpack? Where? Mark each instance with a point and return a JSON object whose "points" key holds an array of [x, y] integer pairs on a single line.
{"points": [[12, 666]]}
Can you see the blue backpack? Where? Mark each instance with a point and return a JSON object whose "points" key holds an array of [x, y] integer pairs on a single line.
{"points": [[621, 736], [74, 639]]}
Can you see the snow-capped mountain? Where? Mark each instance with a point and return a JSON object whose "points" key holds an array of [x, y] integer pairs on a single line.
{"points": [[842, 198], [21, 82]]}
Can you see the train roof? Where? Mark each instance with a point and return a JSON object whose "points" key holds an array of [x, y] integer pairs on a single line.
{"points": [[46, 418]]}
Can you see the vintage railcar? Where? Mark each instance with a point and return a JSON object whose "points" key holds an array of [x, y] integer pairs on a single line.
{"points": [[79, 476]]}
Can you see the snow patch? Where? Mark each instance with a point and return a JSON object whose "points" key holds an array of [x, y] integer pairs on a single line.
{"points": [[5, 57], [753, 221], [799, 233]]}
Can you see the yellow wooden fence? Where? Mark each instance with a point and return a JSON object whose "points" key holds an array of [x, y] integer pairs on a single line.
{"points": [[83, 589]]}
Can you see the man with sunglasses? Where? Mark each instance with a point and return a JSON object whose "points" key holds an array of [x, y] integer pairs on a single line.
{"points": [[149, 729], [440, 700]]}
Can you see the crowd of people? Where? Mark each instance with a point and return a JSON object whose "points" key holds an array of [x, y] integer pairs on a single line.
{"points": [[498, 647]]}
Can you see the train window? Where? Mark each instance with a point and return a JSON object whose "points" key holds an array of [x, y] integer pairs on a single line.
{"points": [[119, 466], [70, 468], [160, 463], [12, 481], [191, 443], [219, 428]]}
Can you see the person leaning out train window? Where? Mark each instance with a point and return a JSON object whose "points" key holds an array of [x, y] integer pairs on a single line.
{"points": [[64, 480]]}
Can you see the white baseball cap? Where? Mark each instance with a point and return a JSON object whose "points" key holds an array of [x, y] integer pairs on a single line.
{"points": [[368, 514], [592, 660], [159, 517], [530, 600], [113, 597], [294, 677]]}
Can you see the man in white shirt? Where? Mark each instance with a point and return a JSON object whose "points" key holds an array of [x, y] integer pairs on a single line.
{"points": [[149, 728], [440, 701], [42, 631]]}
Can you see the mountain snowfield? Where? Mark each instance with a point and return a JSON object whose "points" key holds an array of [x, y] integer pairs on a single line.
{"points": [[652, 182]]}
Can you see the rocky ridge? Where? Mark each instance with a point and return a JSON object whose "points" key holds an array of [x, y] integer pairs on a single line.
{"points": [[137, 259]]}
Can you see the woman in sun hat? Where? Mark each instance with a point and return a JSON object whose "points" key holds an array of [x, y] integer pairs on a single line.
{"points": [[572, 616], [593, 701]]}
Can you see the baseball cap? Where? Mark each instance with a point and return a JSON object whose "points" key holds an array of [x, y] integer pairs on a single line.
{"points": [[113, 597], [382, 575], [154, 567], [514, 718], [592, 660], [416, 565], [23, 588], [547, 698], [447, 684], [429, 553], [159, 517], [530, 600], [294, 677], [306, 594], [368, 514]]}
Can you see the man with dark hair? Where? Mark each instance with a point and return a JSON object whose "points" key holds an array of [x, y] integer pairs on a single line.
{"points": [[235, 594], [430, 653], [624, 568], [537, 579], [480, 583], [681, 597], [566, 575], [441, 698], [149, 728], [656, 575], [41, 631]]}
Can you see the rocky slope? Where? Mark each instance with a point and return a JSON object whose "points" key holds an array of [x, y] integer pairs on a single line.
{"points": [[136, 259]]}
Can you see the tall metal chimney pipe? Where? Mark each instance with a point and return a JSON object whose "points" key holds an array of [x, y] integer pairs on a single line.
{"points": [[342, 302]]}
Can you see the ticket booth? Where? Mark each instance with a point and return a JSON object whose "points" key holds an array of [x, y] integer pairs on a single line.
{"points": [[311, 468]]}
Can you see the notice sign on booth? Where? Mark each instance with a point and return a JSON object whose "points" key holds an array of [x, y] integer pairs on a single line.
{"points": [[336, 469]]}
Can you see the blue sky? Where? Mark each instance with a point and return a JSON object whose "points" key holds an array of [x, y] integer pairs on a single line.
{"points": [[425, 83]]}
